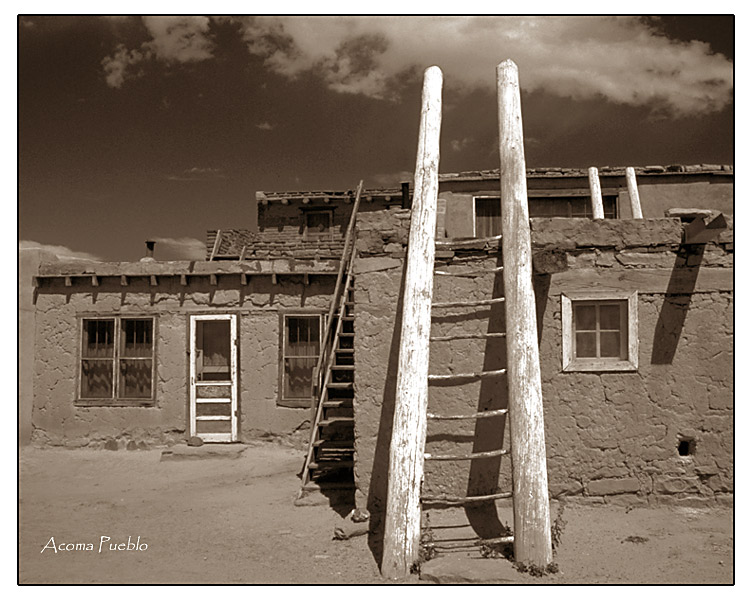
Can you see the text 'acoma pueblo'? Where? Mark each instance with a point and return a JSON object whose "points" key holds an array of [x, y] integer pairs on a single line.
{"points": [[104, 545]]}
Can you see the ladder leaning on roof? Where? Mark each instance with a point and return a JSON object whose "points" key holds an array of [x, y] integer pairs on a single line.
{"points": [[331, 446], [532, 533]]}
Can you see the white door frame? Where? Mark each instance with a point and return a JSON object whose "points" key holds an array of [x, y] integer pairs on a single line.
{"points": [[232, 385]]}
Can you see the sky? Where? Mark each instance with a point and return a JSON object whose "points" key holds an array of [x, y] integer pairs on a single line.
{"points": [[134, 128]]}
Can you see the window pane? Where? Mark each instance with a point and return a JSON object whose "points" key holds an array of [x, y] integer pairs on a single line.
{"points": [[298, 377], [135, 379], [213, 350], [610, 344], [302, 337], [98, 338], [609, 207], [136, 338], [585, 345], [584, 317], [611, 317], [487, 217], [96, 379]]}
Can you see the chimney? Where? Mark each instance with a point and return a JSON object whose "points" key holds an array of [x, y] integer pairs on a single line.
{"points": [[149, 252]]}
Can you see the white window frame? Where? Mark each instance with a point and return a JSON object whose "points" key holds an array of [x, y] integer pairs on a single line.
{"points": [[116, 399], [283, 400], [570, 363]]}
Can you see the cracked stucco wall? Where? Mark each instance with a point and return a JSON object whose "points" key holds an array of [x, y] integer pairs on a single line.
{"points": [[611, 437], [57, 421]]}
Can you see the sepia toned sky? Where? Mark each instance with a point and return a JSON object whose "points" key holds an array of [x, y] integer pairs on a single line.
{"points": [[134, 128]]}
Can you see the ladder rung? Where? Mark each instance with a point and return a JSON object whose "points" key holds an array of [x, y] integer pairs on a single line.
{"points": [[467, 242], [470, 456], [507, 539], [339, 444], [466, 336], [478, 375], [213, 418], [345, 350], [467, 303], [472, 273], [478, 415], [343, 367], [458, 500]]}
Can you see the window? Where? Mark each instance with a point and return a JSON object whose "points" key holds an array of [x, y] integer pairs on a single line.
{"points": [[599, 331], [487, 217], [318, 225], [572, 207], [487, 221], [300, 346], [117, 361]]}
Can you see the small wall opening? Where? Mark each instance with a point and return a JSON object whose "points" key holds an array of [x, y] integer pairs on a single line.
{"points": [[686, 446]]}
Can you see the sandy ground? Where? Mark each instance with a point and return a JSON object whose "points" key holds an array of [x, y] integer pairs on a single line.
{"points": [[233, 521]]}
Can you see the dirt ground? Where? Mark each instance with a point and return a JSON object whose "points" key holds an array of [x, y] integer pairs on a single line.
{"points": [[233, 521]]}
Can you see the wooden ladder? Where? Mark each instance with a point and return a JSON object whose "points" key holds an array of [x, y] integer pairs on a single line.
{"points": [[464, 379], [330, 455]]}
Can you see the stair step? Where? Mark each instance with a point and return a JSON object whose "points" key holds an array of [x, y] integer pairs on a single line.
{"points": [[341, 385], [338, 464], [340, 403], [340, 444], [336, 421]]}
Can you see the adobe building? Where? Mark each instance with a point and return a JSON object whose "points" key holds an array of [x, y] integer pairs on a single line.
{"points": [[635, 324]]}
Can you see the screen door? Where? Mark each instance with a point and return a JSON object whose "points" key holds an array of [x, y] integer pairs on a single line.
{"points": [[214, 375]]}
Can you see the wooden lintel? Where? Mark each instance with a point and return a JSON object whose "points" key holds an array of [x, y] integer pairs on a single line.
{"points": [[124, 280], [212, 279], [153, 280], [68, 281]]}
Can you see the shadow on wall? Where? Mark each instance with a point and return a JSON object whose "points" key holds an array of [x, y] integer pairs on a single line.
{"points": [[676, 303], [484, 473], [377, 491]]}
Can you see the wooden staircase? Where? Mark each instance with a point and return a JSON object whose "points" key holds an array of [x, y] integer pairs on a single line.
{"points": [[330, 457]]}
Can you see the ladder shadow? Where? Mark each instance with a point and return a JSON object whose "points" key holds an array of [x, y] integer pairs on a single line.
{"points": [[484, 474]]}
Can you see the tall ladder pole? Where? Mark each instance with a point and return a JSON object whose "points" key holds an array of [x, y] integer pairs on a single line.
{"points": [[532, 521], [402, 525]]}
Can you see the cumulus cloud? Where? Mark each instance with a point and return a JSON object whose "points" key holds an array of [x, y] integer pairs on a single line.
{"points": [[388, 180], [173, 40], [183, 248], [59, 252], [265, 126], [621, 59]]}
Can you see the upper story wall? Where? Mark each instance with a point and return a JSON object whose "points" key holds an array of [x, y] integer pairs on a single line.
{"points": [[660, 188]]}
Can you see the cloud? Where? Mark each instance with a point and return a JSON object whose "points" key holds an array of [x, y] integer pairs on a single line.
{"points": [[60, 252], [389, 180], [173, 40], [620, 59], [116, 67], [198, 174], [184, 248], [460, 145], [265, 126]]}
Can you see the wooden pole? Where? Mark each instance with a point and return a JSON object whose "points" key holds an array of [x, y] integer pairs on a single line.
{"points": [[532, 521], [402, 524], [634, 195], [595, 193]]}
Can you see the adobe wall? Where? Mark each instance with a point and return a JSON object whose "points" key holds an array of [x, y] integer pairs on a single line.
{"points": [[57, 421], [610, 436], [658, 193]]}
